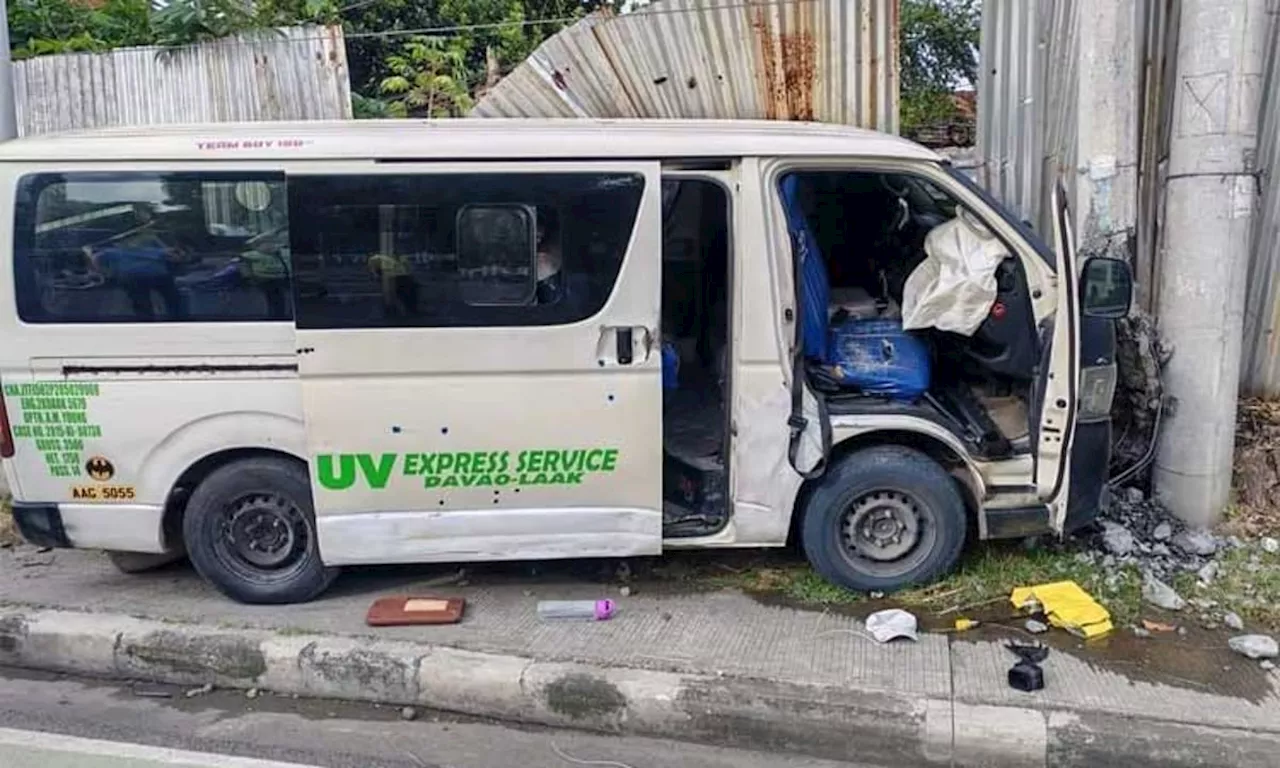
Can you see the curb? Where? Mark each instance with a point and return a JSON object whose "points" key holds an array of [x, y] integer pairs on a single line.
{"points": [[830, 722]]}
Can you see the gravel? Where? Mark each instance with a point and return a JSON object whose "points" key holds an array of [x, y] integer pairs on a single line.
{"points": [[1161, 595], [1036, 627], [1271, 546], [1233, 620], [1196, 542], [1255, 646]]}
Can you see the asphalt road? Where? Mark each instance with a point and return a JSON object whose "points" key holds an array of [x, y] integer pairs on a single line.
{"points": [[49, 721]]}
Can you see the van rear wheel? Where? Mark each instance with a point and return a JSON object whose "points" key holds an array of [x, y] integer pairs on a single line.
{"points": [[250, 531], [883, 519]]}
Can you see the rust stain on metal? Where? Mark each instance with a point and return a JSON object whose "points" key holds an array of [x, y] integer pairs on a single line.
{"points": [[788, 71], [799, 70]]}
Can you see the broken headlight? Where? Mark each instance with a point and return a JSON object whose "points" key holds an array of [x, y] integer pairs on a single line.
{"points": [[1097, 388]]}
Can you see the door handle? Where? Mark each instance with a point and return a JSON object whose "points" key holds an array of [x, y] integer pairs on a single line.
{"points": [[626, 348]]}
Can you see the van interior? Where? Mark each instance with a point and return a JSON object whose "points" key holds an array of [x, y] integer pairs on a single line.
{"points": [[863, 234]]}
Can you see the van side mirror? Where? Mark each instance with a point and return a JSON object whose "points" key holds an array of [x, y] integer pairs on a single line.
{"points": [[1106, 288], [496, 248]]}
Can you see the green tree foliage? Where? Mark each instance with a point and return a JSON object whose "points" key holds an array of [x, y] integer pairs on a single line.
{"points": [[939, 51], [182, 22], [428, 78], [41, 27]]}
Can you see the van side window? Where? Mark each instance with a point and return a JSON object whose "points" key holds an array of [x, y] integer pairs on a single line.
{"points": [[458, 250], [151, 247]]}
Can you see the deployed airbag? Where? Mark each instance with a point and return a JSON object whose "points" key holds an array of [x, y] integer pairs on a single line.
{"points": [[954, 287]]}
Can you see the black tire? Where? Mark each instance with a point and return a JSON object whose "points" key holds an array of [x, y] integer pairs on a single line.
{"points": [[250, 531], [850, 541]]}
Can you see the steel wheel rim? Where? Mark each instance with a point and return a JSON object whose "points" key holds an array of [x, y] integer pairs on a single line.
{"points": [[263, 536], [886, 532]]}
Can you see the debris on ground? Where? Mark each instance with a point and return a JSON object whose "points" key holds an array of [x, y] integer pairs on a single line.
{"points": [[1255, 646], [1036, 627], [1196, 542], [964, 625], [1026, 674], [252, 693], [1161, 595], [589, 610], [1233, 621], [405, 610], [1271, 546], [203, 690], [1066, 605], [891, 624], [408, 714], [1157, 626]]}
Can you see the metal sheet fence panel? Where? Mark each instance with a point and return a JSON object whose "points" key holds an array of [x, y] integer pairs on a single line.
{"points": [[1260, 374], [826, 60], [299, 73]]}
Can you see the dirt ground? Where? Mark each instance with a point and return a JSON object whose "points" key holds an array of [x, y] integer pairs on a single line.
{"points": [[1256, 509]]}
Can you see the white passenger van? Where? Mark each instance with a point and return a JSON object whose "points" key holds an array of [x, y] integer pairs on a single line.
{"points": [[286, 348]]}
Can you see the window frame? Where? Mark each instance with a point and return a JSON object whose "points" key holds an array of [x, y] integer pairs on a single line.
{"points": [[31, 183], [458, 168]]}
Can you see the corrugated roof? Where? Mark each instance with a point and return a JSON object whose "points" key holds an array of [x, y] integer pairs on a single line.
{"points": [[298, 73], [833, 61]]}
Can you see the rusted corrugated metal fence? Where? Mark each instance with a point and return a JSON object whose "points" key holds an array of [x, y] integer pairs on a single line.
{"points": [[828, 60], [299, 73]]}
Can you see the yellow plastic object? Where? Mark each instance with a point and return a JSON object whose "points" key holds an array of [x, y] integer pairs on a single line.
{"points": [[1067, 606], [963, 625]]}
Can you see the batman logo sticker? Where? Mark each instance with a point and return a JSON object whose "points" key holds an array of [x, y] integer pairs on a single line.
{"points": [[99, 468]]}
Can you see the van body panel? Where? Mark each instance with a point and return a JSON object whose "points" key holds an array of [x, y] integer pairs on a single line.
{"points": [[416, 430]]}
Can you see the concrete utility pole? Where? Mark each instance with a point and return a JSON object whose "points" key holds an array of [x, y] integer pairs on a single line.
{"points": [[1209, 205], [8, 113]]}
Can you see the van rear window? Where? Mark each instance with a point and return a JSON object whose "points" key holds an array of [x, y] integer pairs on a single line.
{"points": [[152, 247]]}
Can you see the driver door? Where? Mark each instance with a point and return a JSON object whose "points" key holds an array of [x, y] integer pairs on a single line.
{"points": [[478, 356], [1059, 381]]}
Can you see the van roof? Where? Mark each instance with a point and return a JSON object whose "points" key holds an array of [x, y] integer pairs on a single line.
{"points": [[464, 139]]}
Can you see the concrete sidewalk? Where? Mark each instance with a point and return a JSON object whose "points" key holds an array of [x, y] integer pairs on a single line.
{"points": [[715, 667]]}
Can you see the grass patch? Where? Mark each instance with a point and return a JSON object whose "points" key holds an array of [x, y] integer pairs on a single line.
{"points": [[980, 586], [1248, 583]]}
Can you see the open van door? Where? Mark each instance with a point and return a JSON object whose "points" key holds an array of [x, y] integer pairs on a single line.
{"points": [[478, 353], [1059, 379]]}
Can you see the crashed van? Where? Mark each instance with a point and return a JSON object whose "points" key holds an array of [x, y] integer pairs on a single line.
{"points": [[285, 348]]}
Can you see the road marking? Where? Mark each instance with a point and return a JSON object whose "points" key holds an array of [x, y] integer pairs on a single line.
{"points": [[105, 751]]}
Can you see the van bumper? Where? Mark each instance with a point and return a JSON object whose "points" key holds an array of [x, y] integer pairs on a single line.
{"points": [[41, 524], [120, 527], [1090, 466]]}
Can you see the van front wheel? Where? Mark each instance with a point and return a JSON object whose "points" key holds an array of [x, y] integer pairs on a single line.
{"points": [[250, 531], [883, 519]]}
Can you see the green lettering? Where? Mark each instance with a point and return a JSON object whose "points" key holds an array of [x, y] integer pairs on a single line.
{"points": [[503, 460], [412, 464], [593, 460], [467, 480], [376, 474], [431, 481], [522, 461], [540, 479], [451, 481], [480, 462], [535, 461], [557, 479], [74, 417], [462, 462], [484, 480], [503, 479], [429, 463], [345, 476], [444, 462], [21, 430], [553, 461], [573, 478], [610, 460]]}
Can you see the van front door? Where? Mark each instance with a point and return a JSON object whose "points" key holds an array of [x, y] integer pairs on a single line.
{"points": [[479, 359], [1058, 386]]}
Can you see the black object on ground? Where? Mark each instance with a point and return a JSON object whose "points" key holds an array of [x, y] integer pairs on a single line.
{"points": [[1027, 675]]}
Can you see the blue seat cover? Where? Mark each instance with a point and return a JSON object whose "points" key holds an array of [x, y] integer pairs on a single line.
{"points": [[815, 289]]}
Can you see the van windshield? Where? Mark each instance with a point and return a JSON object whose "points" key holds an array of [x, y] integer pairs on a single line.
{"points": [[1030, 235]]}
